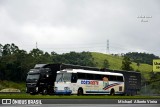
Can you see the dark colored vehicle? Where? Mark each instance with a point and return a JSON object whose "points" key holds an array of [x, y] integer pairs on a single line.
{"points": [[132, 81], [41, 78]]}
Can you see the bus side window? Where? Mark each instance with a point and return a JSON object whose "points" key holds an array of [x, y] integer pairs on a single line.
{"points": [[98, 77], [112, 78], [90, 76], [74, 78], [81, 76], [120, 78]]}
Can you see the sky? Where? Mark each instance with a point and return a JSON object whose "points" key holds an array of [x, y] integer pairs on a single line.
{"points": [[82, 25]]}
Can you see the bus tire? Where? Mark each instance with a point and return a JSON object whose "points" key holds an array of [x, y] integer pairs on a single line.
{"points": [[32, 93], [44, 92], [112, 92], [80, 92]]}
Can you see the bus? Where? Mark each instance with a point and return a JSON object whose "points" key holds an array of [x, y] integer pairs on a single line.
{"points": [[80, 81]]}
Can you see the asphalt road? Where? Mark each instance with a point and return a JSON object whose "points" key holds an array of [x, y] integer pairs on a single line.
{"points": [[86, 105]]}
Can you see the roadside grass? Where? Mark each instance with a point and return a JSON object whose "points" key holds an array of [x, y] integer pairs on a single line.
{"points": [[28, 96], [9, 84]]}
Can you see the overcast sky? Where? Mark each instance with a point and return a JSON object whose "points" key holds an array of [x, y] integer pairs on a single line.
{"points": [[82, 25]]}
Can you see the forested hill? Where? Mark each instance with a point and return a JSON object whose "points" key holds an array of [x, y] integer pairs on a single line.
{"points": [[17, 62], [115, 62], [141, 57]]}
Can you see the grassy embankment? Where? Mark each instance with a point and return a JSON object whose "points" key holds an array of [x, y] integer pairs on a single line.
{"points": [[10, 84], [115, 62]]}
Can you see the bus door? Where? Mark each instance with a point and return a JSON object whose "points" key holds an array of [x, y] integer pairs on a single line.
{"points": [[74, 85]]}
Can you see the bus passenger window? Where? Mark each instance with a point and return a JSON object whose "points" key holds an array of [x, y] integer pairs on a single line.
{"points": [[81, 76], [120, 88], [120, 78], [112, 78], [98, 77], [90, 76]]}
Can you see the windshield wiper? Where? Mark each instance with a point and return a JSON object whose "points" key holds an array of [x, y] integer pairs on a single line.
{"points": [[60, 78]]}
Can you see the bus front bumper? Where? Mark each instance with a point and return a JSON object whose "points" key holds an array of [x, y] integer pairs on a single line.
{"points": [[62, 92]]}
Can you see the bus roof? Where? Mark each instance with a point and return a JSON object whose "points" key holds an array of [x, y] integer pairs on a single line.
{"points": [[89, 72]]}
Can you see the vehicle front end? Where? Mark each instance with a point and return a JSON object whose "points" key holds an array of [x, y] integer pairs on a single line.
{"points": [[63, 85], [32, 81], [63, 89]]}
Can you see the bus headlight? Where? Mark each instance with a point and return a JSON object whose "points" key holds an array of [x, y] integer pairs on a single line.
{"points": [[66, 88], [55, 88]]}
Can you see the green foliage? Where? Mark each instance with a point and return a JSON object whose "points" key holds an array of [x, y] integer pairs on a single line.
{"points": [[11, 62], [8, 84], [115, 62], [105, 64], [15, 62], [141, 57], [126, 64], [155, 82], [83, 58]]}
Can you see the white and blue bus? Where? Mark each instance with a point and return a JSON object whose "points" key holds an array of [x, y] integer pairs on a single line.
{"points": [[79, 81]]}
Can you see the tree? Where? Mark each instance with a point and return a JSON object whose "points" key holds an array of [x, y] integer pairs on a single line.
{"points": [[105, 64], [38, 56], [126, 64], [141, 57], [36, 52], [6, 50], [1, 46], [82, 58], [15, 62], [138, 64]]}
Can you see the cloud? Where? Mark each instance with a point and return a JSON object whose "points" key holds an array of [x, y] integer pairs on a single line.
{"points": [[85, 25]]}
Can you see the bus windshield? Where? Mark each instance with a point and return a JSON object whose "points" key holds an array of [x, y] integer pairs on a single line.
{"points": [[33, 77], [63, 77]]}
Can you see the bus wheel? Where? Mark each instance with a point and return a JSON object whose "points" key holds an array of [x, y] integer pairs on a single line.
{"points": [[32, 93], [80, 92], [44, 92], [112, 92]]}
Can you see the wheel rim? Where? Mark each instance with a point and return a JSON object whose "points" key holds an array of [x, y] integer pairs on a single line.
{"points": [[44, 91]]}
